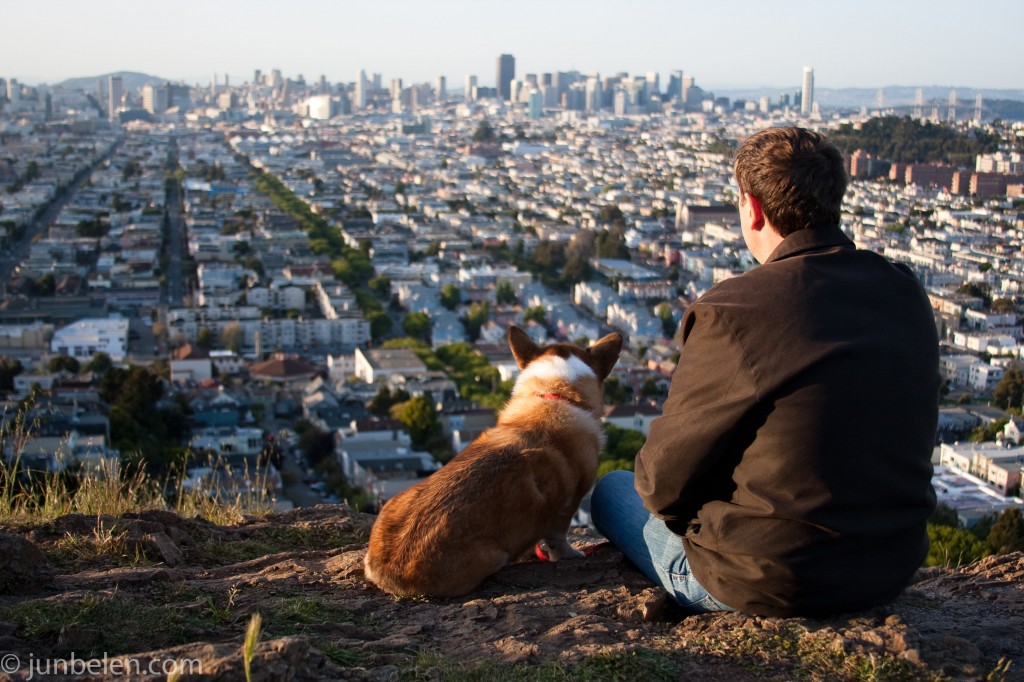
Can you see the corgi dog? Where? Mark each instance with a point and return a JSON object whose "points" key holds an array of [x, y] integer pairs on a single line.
{"points": [[520, 482]]}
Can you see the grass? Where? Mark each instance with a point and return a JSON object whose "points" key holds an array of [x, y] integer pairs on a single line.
{"points": [[112, 623], [271, 540], [106, 545], [806, 654]]}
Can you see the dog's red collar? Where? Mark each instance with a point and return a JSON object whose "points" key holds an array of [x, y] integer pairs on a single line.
{"points": [[554, 396]]}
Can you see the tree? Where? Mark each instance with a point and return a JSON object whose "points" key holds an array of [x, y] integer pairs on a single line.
{"points": [[317, 445], [617, 393], [100, 363], [668, 320], [63, 363], [380, 324], [9, 368], [417, 325], [1009, 392], [1007, 534], [420, 418], [232, 336], [451, 296], [205, 338], [952, 547], [381, 286], [505, 294], [536, 314], [382, 402], [476, 318], [484, 132], [944, 515]]}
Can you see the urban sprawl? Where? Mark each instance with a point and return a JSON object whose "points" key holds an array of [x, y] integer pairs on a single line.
{"points": [[295, 266]]}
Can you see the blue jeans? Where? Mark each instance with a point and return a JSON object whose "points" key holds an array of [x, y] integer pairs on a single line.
{"points": [[618, 513]]}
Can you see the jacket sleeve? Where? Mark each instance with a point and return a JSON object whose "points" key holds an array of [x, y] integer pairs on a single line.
{"points": [[693, 447]]}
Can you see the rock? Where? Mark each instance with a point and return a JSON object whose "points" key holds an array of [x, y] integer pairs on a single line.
{"points": [[23, 568], [159, 545]]}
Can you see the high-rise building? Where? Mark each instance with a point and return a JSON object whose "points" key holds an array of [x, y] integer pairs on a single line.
{"points": [[13, 90], [441, 89], [115, 90], [470, 94], [807, 92], [674, 90], [360, 98], [505, 73]]}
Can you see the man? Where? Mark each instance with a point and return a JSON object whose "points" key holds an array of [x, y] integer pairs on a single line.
{"points": [[789, 473]]}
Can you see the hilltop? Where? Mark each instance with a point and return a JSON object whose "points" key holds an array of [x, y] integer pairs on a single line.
{"points": [[155, 585], [130, 80]]}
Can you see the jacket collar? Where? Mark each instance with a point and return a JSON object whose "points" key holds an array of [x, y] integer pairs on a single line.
{"points": [[811, 240]]}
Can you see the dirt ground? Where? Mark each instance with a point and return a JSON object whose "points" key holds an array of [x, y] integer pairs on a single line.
{"points": [[154, 588]]}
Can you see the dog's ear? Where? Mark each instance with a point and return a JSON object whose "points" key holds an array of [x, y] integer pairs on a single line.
{"points": [[605, 353], [523, 347]]}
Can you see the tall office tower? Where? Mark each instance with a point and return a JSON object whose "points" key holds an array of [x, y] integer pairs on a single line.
{"points": [[396, 88], [441, 89], [470, 94], [675, 85], [807, 92], [951, 117], [546, 79], [13, 90], [536, 104], [919, 104], [684, 90], [156, 98], [506, 72], [653, 83], [257, 77], [594, 95], [977, 108], [359, 101], [115, 91]]}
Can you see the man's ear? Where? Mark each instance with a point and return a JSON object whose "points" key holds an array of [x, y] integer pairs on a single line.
{"points": [[756, 212]]}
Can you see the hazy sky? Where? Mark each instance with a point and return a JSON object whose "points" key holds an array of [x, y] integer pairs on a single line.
{"points": [[722, 43]]}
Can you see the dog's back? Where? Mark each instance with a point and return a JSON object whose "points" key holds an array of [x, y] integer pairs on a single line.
{"points": [[519, 482]]}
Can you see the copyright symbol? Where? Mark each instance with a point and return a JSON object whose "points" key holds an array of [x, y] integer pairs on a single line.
{"points": [[10, 664]]}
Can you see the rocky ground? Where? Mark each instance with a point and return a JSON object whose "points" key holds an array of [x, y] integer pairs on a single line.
{"points": [[155, 587]]}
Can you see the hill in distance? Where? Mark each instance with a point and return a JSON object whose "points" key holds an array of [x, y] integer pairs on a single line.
{"points": [[130, 80]]}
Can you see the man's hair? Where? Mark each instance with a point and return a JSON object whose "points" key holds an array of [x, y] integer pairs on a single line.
{"points": [[797, 175]]}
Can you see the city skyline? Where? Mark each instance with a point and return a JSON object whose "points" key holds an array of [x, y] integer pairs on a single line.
{"points": [[724, 45]]}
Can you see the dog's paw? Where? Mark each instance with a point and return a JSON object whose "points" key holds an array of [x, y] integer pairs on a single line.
{"points": [[563, 550]]}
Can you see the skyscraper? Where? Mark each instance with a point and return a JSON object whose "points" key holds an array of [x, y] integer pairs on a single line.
{"points": [[441, 89], [506, 72], [807, 92], [115, 90], [470, 94]]}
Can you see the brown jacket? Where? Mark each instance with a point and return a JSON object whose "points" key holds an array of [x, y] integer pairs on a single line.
{"points": [[793, 453]]}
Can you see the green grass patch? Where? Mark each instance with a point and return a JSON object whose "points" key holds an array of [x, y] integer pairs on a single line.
{"points": [[113, 624], [271, 540], [293, 615], [346, 658]]}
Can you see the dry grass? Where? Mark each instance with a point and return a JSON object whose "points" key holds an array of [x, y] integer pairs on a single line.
{"points": [[34, 498]]}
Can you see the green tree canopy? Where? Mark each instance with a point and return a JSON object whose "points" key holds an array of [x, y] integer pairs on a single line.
{"points": [[952, 547], [420, 419], [476, 318], [505, 294], [451, 296], [63, 363], [1009, 392], [1007, 534], [417, 325], [9, 368], [99, 363]]}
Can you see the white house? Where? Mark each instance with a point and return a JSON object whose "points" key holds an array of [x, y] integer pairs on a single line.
{"points": [[89, 336]]}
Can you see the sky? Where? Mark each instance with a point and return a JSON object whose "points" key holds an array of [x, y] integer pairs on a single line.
{"points": [[722, 43]]}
